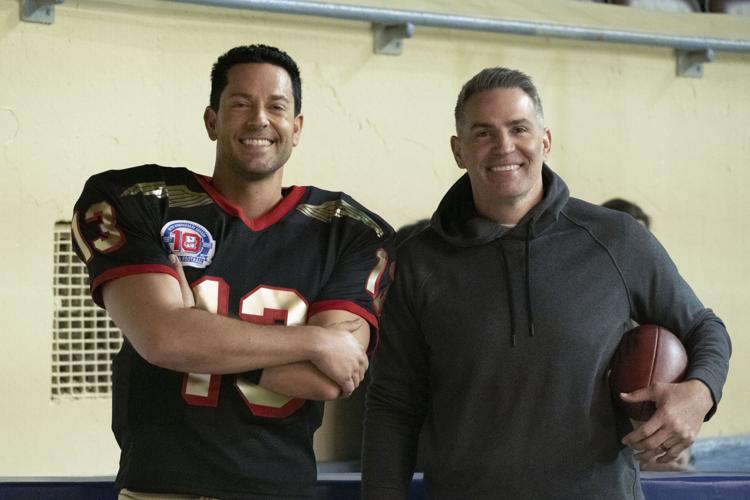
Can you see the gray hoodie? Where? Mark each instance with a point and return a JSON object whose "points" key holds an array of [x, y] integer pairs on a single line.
{"points": [[498, 341]]}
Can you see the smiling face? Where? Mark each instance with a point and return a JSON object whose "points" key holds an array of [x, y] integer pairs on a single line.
{"points": [[255, 126], [502, 143]]}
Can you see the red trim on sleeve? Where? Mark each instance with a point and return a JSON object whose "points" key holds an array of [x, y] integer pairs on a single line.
{"points": [[286, 205], [122, 271], [345, 305]]}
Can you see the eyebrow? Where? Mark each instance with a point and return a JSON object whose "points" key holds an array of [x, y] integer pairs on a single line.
{"points": [[512, 123], [274, 97], [520, 121], [481, 125]]}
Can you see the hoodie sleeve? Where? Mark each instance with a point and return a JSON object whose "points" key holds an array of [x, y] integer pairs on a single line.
{"points": [[659, 295], [397, 396]]}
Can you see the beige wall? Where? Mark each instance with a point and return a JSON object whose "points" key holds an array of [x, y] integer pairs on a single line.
{"points": [[113, 84]]}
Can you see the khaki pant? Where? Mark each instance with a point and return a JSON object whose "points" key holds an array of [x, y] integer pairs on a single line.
{"points": [[126, 494]]}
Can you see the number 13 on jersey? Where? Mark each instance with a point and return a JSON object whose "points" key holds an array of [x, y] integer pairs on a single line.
{"points": [[263, 305]]}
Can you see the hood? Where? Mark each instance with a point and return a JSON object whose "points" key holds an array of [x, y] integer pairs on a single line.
{"points": [[457, 221]]}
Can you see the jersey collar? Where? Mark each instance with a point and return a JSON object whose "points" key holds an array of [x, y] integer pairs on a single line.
{"points": [[292, 196]]}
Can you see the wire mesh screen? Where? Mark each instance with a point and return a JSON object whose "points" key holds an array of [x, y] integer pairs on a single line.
{"points": [[84, 338]]}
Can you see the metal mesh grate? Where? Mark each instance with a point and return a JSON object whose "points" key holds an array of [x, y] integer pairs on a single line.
{"points": [[84, 338]]}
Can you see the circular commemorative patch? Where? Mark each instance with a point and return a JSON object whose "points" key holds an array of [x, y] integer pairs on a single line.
{"points": [[190, 242]]}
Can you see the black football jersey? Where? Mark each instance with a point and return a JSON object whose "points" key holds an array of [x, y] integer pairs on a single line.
{"points": [[224, 436]]}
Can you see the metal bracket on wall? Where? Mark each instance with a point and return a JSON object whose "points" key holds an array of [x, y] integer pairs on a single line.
{"points": [[690, 62], [39, 11], [388, 37]]}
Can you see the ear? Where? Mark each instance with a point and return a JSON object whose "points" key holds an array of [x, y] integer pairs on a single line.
{"points": [[547, 143], [209, 119], [299, 120], [456, 148]]}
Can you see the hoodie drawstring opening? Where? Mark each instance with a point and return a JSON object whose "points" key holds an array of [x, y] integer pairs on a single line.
{"points": [[527, 258], [506, 270], [509, 287]]}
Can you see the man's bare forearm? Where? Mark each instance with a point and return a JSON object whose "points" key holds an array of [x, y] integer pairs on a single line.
{"points": [[300, 380], [304, 380], [150, 311]]}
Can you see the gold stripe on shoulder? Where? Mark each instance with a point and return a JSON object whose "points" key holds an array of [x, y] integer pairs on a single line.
{"points": [[325, 212], [157, 189], [179, 196]]}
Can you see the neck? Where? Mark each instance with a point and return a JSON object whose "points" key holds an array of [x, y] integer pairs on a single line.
{"points": [[506, 212], [255, 197], [505, 216]]}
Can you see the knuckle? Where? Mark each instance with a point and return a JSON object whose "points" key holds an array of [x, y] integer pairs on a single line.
{"points": [[333, 393], [687, 435], [669, 420]]}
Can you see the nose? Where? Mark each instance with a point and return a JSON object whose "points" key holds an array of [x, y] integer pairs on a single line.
{"points": [[504, 142], [257, 117]]}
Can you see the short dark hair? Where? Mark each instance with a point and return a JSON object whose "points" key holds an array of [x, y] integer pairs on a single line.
{"points": [[629, 208], [254, 54], [497, 78]]}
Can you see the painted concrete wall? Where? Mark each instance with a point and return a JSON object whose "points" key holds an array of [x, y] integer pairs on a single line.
{"points": [[117, 83]]}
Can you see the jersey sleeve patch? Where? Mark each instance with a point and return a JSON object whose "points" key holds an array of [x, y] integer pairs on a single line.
{"points": [[191, 242]]}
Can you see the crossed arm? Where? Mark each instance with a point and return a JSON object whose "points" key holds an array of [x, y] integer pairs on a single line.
{"points": [[323, 360]]}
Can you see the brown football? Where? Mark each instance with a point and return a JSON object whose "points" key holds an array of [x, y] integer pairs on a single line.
{"points": [[647, 354]]}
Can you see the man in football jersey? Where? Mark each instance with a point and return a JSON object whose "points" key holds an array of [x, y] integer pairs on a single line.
{"points": [[221, 399]]}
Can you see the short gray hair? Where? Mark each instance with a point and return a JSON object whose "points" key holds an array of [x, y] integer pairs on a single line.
{"points": [[497, 78]]}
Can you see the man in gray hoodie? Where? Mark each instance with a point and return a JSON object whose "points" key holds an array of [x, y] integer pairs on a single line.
{"points": [[505, 312]]}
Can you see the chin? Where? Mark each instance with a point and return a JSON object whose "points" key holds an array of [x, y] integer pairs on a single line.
{"points": [[260, 173]]}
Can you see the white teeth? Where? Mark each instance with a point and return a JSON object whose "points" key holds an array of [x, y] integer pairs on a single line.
{"points": [[505, 168], [256, 142]]}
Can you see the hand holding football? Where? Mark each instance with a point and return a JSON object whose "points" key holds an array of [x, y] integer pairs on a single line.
{"points": [[647, 354]]}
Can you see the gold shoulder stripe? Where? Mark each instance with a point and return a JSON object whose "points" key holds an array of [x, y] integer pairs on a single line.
{"points": [[325, 212], [157, 189], [179, 196]]}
